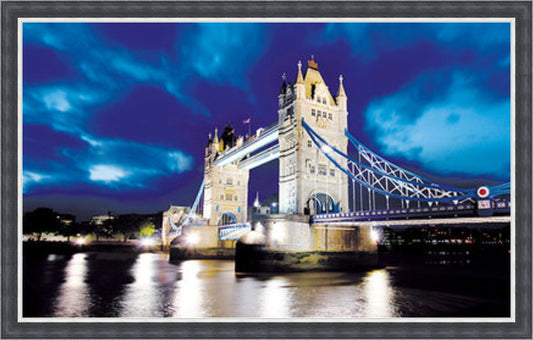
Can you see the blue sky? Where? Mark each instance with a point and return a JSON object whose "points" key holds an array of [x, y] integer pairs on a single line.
{"points": [[116, 115]]}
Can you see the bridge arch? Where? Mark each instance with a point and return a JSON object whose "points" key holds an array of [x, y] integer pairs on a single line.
{"points": [[227, 218], [320, 203]]}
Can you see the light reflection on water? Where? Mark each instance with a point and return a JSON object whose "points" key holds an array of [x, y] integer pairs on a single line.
{"points": [[73, 293], [146, 285], [379, 295]]}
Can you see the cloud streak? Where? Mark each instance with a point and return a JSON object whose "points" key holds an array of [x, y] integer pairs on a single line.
{"points": [[458, 132]]}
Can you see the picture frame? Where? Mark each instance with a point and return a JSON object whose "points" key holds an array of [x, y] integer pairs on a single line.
{"points": [[401, 328]]}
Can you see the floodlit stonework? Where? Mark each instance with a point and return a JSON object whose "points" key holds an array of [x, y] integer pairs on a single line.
{"points": [[226, 187], [306, 177]]}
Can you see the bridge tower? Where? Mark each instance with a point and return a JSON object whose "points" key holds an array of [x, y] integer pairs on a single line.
{"points": [[308, 182], [226, 187]]}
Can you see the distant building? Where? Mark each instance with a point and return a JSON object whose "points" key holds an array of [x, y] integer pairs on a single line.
{"points": [[259, 209], [67, 219], [100, 219]]}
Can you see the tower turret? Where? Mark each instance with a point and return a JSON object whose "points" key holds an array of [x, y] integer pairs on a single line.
{"points": [[341, 95], [299, 86], [282, 92]]}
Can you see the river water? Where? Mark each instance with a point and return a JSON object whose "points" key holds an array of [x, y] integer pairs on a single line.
{"points": [[147, 285]]}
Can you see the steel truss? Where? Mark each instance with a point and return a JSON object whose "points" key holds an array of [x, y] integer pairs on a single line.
{"points": [[390, 180]]}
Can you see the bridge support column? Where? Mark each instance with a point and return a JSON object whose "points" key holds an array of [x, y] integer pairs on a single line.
{"points": [[200, 243], [290, 243]]}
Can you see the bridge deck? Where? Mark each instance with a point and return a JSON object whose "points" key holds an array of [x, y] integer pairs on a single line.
{"points": [[254, 143], [423, 221]]}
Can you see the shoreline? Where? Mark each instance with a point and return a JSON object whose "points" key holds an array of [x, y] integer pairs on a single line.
{"points": [[30, 248]]}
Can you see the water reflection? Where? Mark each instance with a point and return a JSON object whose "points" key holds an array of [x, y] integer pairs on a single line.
{"points": [[141, 297], [379, 295], [73, 294], [146, 285], [205, 289], [275, 298], [189, 301]]}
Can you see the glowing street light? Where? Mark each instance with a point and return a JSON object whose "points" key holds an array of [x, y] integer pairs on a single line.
{"points": [[147, 242], [81, 241], [192, 239], [375, 235]]}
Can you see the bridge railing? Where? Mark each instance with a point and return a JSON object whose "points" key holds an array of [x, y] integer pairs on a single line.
{"points": [[250, 140], [233, 231], [499, 207]]}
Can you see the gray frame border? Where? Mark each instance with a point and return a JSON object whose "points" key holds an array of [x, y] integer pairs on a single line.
{"points": [[12, 10]]}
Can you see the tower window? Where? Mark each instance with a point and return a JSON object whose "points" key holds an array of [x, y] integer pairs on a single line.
{"points": [[238, 182], [332, 172], [312, 169], [236, 198], [330, 116], [313, 112], [309, 143], [222, 197], [322, 170], [229, 181], [229, 197], [318, 114]]}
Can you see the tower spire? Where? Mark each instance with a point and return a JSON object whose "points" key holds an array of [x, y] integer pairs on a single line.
{"points": [[341, 92], [300, 78], [312, 63], [283, 85]]}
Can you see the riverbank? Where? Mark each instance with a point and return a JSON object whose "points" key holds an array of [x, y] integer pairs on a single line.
{"points": [[35, 248]]}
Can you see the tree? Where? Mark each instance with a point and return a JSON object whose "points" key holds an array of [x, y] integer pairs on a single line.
{"points": [[70, 229], [147, 229], [105, 228], [128, 225], [41, 220]]}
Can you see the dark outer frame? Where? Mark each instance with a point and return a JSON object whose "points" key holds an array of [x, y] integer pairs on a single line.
{"points": [[521, 11]]}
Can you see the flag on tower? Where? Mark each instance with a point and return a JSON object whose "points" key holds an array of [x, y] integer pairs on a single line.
{"points": [[247, 121]]}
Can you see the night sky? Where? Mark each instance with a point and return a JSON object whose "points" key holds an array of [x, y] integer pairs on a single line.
{"points": [[116, 116]]}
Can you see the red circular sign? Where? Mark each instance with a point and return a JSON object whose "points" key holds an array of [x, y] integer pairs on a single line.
{"points": [[483, 192]]}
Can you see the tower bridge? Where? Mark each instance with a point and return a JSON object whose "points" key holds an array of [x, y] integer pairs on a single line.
{"points": [[320, 183]]}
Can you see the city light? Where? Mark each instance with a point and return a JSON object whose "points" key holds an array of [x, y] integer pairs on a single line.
{"points": [[277, 233], [147, 242], [192, 239], [376, 237], [81, 241]]}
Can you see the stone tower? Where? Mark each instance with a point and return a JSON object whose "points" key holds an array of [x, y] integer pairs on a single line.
{"points": [[226, 187], [308, 181]]}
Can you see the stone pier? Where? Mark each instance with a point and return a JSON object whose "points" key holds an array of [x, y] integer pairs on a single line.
{"points": [[279, 243], [200, 243]]}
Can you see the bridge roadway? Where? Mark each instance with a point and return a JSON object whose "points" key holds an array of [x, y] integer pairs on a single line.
{"points": [[459, 221], [254, 143]]}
